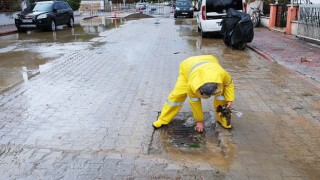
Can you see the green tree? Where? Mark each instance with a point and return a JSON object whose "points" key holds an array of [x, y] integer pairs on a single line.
{"points": [[10, 5], [75, 4], [266, 5]]}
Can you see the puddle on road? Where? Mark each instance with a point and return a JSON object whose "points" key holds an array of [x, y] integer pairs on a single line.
{"points": [[188, 29], [182, 143], [16, 67], [282, 141], [100, 24], [22, 55], [183, 21]]}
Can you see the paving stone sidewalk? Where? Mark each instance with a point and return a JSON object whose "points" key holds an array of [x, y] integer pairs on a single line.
{"points": [[89, 116], [291, 52]]}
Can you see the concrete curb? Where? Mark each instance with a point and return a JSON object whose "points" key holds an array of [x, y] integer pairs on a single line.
{"points": [[304, 77], [261, 53], [7, 33]]}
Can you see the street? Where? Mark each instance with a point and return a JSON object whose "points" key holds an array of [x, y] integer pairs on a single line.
{"points": [[87, 112]]}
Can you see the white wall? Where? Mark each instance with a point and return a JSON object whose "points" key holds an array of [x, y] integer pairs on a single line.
{"points": [[315, 1], [264, 22], [304, 1], [6, 18]]}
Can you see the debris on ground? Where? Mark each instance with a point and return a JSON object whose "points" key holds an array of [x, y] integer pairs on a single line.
{"points": [[306, 59], [138, 16]]}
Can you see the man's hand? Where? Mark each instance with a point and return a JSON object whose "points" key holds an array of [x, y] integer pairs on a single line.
{"points": [[200, 126], [229, 104]]}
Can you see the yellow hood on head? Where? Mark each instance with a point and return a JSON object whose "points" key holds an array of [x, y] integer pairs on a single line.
{"points": [[210, 72]]}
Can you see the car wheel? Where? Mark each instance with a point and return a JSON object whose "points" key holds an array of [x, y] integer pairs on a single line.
{"points": [[203, 34], [199, 30], [71, 22], [53, 26]]}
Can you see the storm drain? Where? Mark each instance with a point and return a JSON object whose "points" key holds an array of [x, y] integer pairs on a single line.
{"points": [[181, 135], [181, 141]]}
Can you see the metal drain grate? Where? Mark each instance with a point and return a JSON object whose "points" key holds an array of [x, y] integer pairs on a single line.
{"points": [[183, 143], [184, 136]]}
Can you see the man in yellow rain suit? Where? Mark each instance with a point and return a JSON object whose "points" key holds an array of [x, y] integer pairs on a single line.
{"points": [[199, 77]]}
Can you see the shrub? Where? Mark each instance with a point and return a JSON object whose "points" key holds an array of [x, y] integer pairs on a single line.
{"points": [[10, 5], [75, 4]]}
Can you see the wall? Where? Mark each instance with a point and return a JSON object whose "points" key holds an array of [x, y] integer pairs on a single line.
{"points": [[294, 27], [315, 1], [6, 18], [264, 21]]}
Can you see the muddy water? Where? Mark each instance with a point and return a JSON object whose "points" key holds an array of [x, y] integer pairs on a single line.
{"points": [[211, 152], [183, 143], [280, 128], [25, 55], [278, 136]]}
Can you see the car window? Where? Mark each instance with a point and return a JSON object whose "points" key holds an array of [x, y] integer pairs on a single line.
{"points": [[183, 3], [42, 7], [223, 5], [66, 6], [63, 6], [30, 8], [58, 6]]}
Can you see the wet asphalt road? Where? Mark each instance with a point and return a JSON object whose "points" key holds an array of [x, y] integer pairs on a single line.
{"points": [[88, 114]]}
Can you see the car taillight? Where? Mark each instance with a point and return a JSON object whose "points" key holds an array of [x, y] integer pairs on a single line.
{"points": [[203, 15], [245, 7]]}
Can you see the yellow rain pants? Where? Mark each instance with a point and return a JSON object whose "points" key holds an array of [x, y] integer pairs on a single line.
{"points": [[194, 72]]}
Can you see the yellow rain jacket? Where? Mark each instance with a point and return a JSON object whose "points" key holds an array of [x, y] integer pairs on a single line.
{"points": [[194, 72]]}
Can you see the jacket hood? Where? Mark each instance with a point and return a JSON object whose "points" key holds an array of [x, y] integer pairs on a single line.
{"points": [[210, 73]]}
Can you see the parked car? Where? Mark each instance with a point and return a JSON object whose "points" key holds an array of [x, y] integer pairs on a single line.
{"points": [[141, 5], [183, 8], [211, 13], [45, 15], [169, 3]]}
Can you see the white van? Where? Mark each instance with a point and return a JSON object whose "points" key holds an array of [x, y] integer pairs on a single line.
{"points": [[211, 13]]}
